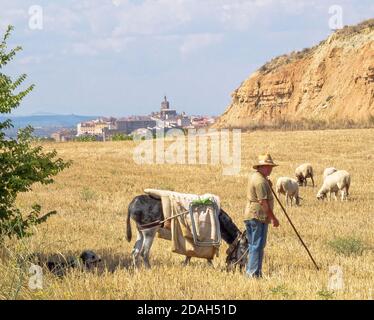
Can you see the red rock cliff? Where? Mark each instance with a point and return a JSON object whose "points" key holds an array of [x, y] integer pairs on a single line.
{"points": [[332, 81]]}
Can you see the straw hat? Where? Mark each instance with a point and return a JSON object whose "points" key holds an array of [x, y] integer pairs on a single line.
{"points": [[264, 160]]}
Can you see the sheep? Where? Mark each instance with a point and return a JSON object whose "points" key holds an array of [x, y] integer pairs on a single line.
{"points": [[339, 180], [303, 172], [328, 171], [290, 188]]}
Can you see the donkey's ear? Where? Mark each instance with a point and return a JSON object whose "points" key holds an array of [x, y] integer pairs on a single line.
{"points": [[51, 265]]}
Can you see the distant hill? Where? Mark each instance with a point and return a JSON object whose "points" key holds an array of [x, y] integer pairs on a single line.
{"points": [[65, 121], [45, 124], [331, 82]]}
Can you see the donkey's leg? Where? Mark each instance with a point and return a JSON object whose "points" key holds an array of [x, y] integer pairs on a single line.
{"points": [[186, 261], [137, 249], [149, 236], [210, 262]]}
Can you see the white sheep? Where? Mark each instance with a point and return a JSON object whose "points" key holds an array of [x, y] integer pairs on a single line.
{"points": [[303, 172], [328, 171], [339, 180], [290, 188]]}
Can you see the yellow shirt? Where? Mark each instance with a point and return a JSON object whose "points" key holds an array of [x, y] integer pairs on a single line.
{"points": [[258, 189]]}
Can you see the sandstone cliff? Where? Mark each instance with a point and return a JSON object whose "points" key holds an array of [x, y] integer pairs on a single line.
{"points": [[333, 81]]}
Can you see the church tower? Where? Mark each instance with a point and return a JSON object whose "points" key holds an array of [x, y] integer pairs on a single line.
{"points": [[165, 104], [166, 112]]}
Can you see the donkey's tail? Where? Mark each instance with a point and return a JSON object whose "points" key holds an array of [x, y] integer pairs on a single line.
{"points": [[128, 227]]}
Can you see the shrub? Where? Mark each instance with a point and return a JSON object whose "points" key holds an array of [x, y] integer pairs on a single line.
{"points": [[22, 164], [347, 246], [85, 138], [121, 137]]}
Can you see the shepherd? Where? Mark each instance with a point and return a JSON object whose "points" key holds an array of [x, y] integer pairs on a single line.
{"points": [[259, 213]]}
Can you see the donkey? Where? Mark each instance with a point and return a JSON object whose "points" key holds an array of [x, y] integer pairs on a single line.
{"points": [[145, 209]]}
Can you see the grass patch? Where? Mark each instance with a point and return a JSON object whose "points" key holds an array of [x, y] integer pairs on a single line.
{"points": [[347, 246], [87, 194], [326, 294], [281, 290]]}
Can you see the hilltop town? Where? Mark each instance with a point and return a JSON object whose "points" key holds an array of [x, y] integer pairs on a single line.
{"points": [[106, 128]]}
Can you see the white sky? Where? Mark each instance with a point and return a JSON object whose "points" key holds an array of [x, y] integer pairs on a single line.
{"points": [[119, 57]]}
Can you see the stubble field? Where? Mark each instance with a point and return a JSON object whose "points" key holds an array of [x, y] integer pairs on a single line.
{"points": [[92, 196]]}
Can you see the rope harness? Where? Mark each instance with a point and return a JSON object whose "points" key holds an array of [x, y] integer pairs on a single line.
{"points": [[159, 222], [241, 257]]}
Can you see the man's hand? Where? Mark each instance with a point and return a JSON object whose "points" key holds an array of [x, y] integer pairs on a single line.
{"points": [[266, 207], [275, 222]]}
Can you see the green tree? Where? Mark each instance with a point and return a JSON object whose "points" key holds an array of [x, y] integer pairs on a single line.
{"points": [[22, 162]]}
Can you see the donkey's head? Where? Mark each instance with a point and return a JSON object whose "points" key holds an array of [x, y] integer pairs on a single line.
{"points": [[237, 241], [237, 253]]}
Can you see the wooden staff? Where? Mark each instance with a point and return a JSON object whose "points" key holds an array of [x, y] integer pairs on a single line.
{"points": [[293, 227]]}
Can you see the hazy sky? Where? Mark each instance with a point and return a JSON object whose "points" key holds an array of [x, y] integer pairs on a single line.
{"points": [[119, 57]]}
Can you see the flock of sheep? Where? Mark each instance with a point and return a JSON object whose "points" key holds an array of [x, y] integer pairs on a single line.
{"points": [[333, 181]]}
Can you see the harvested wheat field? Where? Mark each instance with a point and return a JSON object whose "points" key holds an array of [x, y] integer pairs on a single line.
{"points": [[92, 196]]}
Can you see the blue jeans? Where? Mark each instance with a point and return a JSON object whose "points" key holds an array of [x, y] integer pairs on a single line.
{"points": [[256, 233]]}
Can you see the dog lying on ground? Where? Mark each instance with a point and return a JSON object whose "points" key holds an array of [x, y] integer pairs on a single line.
{"points": [[59, 265]]}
